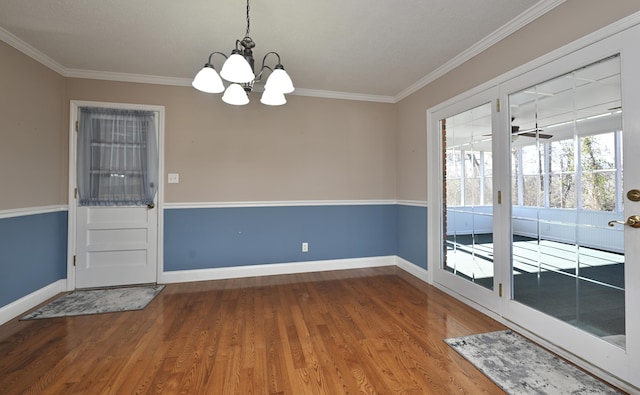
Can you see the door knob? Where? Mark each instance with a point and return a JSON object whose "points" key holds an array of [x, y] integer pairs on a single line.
{"points": [[633, 221], [634, 195], [151, 205]]}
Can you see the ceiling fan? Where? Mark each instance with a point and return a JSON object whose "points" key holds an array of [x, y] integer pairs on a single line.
{"points": [[515, 131]]}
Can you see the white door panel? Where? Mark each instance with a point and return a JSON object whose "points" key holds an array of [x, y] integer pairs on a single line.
{"points": [[115, 245]]}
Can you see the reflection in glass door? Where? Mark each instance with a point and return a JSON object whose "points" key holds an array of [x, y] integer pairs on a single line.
{"points": [[566, 156], [468, 195]]}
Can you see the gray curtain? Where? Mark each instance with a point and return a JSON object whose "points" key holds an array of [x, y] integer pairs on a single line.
{"points": [[117, 157]]}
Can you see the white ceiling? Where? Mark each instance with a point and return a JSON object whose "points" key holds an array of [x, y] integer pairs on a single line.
{"points": [[380, 49]]}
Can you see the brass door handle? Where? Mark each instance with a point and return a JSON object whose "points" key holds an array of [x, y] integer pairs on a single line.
{"points": [[633, 221], [634, 195]]}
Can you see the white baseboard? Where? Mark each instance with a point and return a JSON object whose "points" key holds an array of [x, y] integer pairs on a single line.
{"points": [[30, 301], [412, 269], [273, 269]]}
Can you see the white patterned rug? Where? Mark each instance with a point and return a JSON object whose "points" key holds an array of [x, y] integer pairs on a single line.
{"points": [[518, 366], [96, 301]]}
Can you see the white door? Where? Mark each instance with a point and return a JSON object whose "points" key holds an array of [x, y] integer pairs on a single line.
{"points": [[464, 216], [115, 244], [574, 269], [561, 259]]}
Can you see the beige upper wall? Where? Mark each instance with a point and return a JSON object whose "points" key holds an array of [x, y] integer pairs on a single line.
{"points": [[566, 23], [309, 149], [32, 133]]}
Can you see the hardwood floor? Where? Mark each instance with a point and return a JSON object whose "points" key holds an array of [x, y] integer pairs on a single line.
{"points": [[365, 331]]}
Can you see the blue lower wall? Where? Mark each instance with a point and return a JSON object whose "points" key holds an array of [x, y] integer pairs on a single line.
{"points": [[222, 237], [411, 234], [33, 253], [33, 248]]}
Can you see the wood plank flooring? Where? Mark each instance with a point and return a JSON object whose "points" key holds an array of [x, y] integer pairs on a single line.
{"points": [[365, 331]]}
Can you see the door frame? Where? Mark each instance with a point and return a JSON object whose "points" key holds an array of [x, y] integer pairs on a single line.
{"points": [[606, 360], [72, 183]]}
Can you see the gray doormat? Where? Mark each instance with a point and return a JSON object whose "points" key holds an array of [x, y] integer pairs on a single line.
{"points": [[96, 301], [518, 366]]}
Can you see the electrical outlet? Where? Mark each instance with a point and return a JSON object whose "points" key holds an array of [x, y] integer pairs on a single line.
{"points": [[173, 178], [305, 247]]}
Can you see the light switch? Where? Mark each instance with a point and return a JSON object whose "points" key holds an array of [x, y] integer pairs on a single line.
{"points": [[174, 178]]}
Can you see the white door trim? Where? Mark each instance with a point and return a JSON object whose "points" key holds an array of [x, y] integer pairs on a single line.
{"points": [[71, 224]]}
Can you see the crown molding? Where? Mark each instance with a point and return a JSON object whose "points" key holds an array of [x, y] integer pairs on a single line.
{"points": [[154, 79], [531, 14], [30, 51], [127, 77], [344, 95], [37, 55], [539, 9]]}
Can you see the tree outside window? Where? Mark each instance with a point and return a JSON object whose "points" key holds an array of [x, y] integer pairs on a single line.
{"points": [[553, 172], [562, 174], [598, 172]]}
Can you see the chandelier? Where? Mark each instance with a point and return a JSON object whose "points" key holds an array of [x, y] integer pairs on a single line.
{"points": [[238, 69]]}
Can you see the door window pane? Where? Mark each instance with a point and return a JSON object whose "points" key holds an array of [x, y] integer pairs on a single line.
{"points": [[598, 166], [117, 157], [468, 211], [567, 173], [531, 176]]}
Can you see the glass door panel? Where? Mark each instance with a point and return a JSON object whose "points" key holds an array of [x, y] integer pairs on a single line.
{"points": [[566, 164], [468, 195]]}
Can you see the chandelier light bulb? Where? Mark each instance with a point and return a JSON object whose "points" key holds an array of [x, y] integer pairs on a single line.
{"points": [[279, 81], [207, 80], [237, 69], [272, 98], [235, 95]]}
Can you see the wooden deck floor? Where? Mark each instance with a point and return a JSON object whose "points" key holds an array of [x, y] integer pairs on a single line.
{"points": [[366, 331]]}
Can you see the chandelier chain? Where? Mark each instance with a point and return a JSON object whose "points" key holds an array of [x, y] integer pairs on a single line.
{"points": [[248, 20]]}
